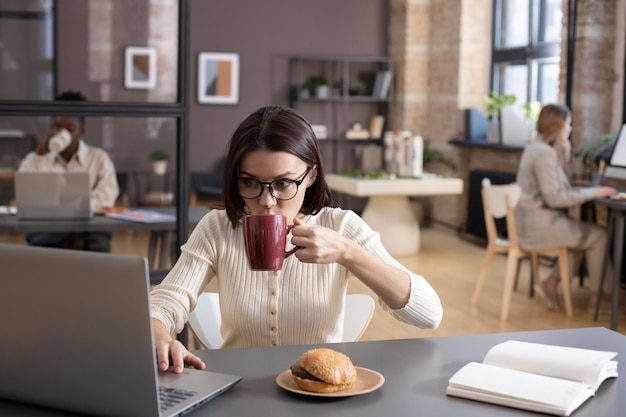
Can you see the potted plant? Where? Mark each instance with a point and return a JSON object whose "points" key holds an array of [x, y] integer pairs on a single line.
{"points": [[356, 87], [586, 161], [320, 85], [435, 156], [159, 159], [495, 103]]}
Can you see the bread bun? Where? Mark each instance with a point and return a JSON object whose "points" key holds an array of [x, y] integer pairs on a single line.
{"points": [[323, 370]]}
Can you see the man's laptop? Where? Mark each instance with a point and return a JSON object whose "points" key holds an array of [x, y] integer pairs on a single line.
{"points": [[77, 336], [52, 195]]}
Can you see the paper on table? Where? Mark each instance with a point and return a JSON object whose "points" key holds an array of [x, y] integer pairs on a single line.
{"points": [[143, 216], [8, 210]]}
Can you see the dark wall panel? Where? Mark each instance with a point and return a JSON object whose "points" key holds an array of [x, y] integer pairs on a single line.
{"points": [[265, 34]]}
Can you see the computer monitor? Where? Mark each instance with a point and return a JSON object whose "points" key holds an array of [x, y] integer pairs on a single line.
{"points": [[617, 163]]}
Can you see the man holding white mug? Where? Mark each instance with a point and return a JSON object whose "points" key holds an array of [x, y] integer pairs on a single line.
{"points": [[63, 149]]}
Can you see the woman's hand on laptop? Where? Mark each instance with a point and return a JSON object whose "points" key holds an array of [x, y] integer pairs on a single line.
{"points": [[602, 192], [168, 348]]}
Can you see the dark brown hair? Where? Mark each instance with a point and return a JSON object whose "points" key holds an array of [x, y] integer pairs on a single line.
{"points": [[274, 129], [71, 95], [551, 120]]}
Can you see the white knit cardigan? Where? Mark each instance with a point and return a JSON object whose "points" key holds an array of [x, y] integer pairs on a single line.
{"points": [[301, 304]]}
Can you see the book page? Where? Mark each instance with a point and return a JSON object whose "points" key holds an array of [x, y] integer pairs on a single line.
{"points": [[585, 365], [518, 389]]}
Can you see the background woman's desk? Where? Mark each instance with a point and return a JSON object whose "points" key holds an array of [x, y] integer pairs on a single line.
{"points": [[159, 232], [388, 210], [416, 375]]}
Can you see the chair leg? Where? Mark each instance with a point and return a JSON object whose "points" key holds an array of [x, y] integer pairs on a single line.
{"points": [[531, 292], [509, 279], [483, 274], [534, 259], [565, 282], [519, 264]]}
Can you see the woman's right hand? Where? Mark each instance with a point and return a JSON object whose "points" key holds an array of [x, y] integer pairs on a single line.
{"points": [[168, 348], [602, 192]]}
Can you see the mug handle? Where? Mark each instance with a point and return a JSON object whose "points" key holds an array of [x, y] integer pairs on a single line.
{"points": [[295, 248]]}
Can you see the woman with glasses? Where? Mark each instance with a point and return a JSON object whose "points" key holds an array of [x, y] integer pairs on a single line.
{"points": [[273, 166]]}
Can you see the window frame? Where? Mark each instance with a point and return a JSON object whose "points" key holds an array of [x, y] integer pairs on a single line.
{"points": [[531, 55]]}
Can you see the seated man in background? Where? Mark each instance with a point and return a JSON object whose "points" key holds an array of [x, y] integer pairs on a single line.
{"points": [[76, 156]]}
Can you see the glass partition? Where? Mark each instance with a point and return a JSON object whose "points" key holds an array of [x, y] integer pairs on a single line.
{"points": [[111, 50], [130, 142]]}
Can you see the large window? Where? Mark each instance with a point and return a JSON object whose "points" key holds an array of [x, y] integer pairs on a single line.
{"points": [[527, 48]]}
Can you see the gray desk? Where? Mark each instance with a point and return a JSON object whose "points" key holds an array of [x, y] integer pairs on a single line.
{"points": [[160, 233], [615, 238], [416, 376]]}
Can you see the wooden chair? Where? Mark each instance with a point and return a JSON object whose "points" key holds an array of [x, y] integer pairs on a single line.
{"points": [[206, 319], [517, 252], [494, 208], [510, 194]]}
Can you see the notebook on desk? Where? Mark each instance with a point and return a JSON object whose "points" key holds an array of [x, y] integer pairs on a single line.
{"points": [[52, 195], [78, 336]]}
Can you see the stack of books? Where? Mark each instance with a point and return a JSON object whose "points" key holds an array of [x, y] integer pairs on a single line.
{"points": [[382, 84]]}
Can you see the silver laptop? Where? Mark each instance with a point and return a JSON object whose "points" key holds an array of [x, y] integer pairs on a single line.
{"points": [[77, 336], [52, 195]]}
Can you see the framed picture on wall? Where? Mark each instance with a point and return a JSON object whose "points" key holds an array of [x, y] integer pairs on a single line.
{"points": [[218, 78], [140, 67]]}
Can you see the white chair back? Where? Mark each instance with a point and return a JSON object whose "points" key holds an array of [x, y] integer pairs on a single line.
{"points": [[206, 320], [495, 196]]}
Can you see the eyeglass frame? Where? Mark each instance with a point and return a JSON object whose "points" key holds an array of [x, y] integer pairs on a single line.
{"points": [[270, 188]]}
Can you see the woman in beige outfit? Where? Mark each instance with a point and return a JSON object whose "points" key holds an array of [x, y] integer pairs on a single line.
{"points": [[541, 215]]}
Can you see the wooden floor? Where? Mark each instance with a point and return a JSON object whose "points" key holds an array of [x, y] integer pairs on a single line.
{"points": [[451, 265]]}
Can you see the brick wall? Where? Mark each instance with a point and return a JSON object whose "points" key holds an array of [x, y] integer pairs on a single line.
{"points": [[597, 72], [442, 50]]}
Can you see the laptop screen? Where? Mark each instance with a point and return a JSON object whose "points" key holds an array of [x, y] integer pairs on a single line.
{"points": [[617, 163]]}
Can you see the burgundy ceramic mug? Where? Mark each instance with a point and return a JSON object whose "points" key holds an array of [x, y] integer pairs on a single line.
{"points": [[265, 237]]}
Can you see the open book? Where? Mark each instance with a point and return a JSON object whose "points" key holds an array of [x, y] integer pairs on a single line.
{"points": [[531, 376]]}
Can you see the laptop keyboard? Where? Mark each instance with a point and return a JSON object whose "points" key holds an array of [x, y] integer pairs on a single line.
{"points": [[169, 397]]}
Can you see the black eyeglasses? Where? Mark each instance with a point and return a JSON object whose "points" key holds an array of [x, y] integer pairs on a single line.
{"points": [[281, 189]]}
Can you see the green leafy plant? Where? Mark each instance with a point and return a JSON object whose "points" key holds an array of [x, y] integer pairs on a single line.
{"points": [[356, 87], [594, 149], [586, 159], [432, 156], [315, 81], [159, 155], [531, 110], [496, 102]]}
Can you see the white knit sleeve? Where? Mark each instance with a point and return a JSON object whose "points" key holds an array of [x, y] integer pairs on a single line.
{"points": [[424, 308]]}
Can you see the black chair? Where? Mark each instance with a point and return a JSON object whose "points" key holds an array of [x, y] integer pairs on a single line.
{"points": [[122, 183], [207, 186]]}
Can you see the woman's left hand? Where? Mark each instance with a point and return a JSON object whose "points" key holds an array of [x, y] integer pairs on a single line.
{"points": [[317, 244]]}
